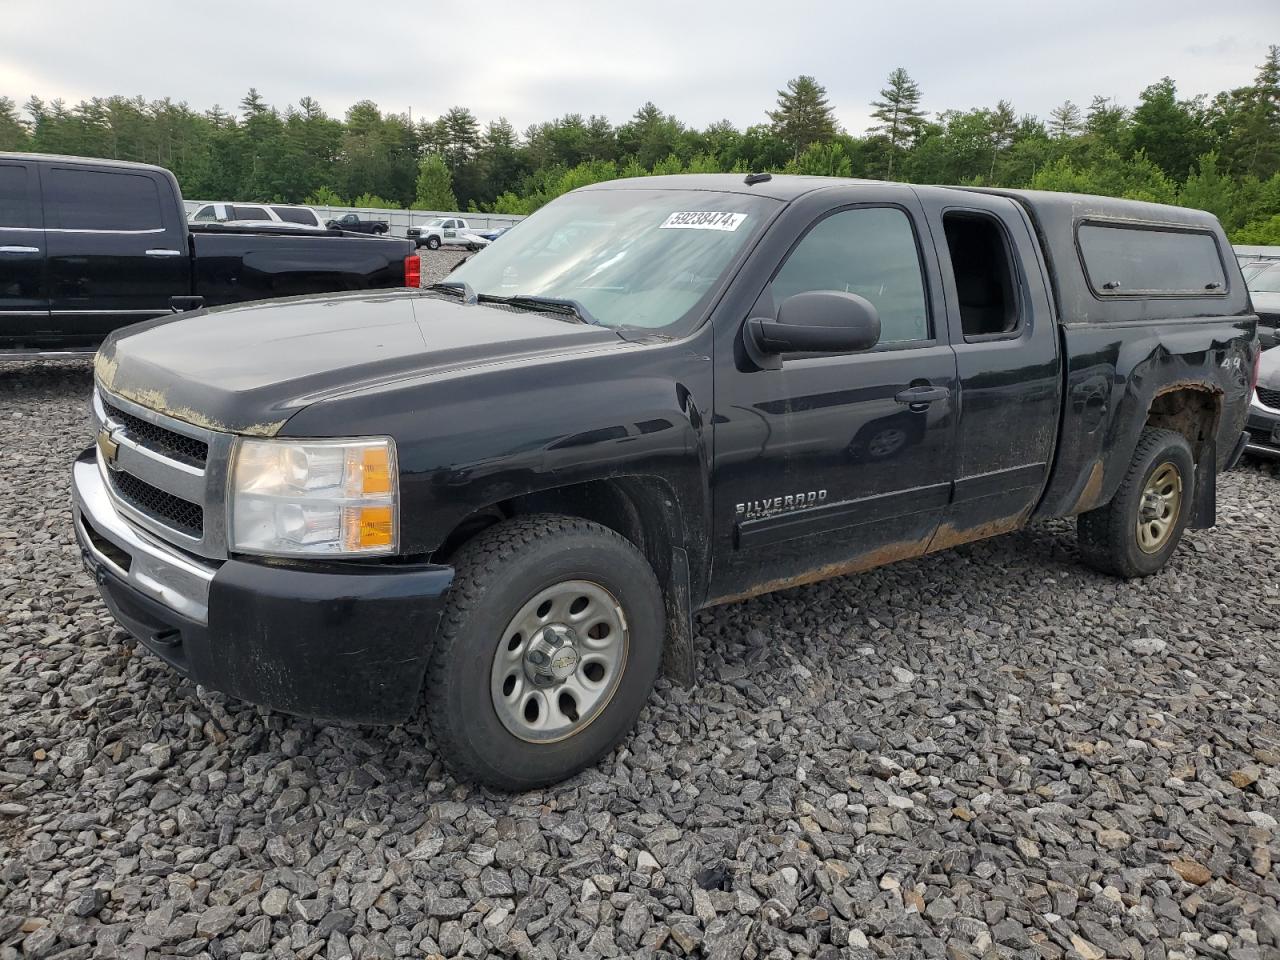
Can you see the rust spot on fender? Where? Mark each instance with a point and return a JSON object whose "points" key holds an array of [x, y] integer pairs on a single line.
{"points": [[1199, 385], [1092, 490]]}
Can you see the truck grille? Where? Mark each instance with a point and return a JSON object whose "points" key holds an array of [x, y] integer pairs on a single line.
{"points": [[183, 515], [1269, 398], [164, 442], [165, 475]]}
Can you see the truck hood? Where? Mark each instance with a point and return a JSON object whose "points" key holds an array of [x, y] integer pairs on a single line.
{"points": [[248, 368]]}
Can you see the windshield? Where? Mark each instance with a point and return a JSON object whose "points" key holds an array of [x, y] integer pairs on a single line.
{"points": [[1251, 270], [1268, 281], [437, 222], [633, 258]]}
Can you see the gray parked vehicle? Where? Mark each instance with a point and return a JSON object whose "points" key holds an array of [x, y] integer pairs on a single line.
{"points": [[1264, 410], [1264, 291]]}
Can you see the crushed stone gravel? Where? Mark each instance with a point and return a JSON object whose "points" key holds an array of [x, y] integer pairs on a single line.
{"points": [[990, 752]]}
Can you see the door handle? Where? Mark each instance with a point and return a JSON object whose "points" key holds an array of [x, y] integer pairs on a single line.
{"points": [[164, 252], [919, 398], [19, 249]]}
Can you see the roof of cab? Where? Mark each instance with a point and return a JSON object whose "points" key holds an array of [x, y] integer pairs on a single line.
{"points": [[95, 161], [1041, 203], [785, 187]]}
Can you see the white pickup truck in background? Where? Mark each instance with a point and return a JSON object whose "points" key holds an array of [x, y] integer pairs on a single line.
{"points": [[442, 231]]}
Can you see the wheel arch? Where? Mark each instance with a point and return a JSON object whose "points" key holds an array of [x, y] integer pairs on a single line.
{"points": [[645, 510]]}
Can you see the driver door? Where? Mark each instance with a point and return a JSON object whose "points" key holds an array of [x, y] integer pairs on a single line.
{"points": [[835, 463]]}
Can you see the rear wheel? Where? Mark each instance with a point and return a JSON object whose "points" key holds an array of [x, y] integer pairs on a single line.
{"points": [[1137, 532], [548, 649]]}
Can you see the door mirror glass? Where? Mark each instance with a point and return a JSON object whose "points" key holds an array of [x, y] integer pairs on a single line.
{"points": [[817, 321]]}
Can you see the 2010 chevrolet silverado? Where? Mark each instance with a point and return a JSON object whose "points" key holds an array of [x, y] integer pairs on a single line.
{"points": [[87, 246], [504, 497]]}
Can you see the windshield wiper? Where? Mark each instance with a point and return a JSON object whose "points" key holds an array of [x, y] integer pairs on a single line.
{"points": [[460, 287], [556, 304]]}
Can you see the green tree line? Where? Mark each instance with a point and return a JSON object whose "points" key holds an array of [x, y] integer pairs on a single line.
{"points": [[1220, 153]]}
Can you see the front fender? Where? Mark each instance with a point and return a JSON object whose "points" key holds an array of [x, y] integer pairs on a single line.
{"points": [[467, 441]]}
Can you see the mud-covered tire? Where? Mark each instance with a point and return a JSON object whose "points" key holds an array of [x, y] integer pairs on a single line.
{"points": [[1109, 536], [433, 243], [498, 573]]}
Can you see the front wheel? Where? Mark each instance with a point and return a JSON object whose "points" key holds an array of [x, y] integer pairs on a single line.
{"points": [[1137, 532], [433, 243], [549, 646]]}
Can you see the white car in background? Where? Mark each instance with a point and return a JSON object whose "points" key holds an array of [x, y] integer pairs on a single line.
{"points": [[248, 214]]}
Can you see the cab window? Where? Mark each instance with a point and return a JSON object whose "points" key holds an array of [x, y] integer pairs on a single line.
{"points": [[870, 251], [114, 201]]}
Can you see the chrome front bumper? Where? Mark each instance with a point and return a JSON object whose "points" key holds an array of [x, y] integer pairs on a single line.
{"points": [[114, 545]]}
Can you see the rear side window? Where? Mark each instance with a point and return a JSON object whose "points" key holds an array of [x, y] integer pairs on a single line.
{"points": [[101, 200], [1125, 260], [870, 251], [14, 208], [295, 215], [249, 213]]}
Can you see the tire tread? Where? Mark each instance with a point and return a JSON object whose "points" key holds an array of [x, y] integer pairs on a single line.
{"points": [[1102, 532], [476, 565]]}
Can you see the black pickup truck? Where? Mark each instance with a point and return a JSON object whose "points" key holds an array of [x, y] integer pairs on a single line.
{"points": [[87, 246], [504, 497], [352, 223]]}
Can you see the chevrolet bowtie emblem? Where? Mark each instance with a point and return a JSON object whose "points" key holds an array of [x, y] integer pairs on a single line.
{"points": [[108, 448]]}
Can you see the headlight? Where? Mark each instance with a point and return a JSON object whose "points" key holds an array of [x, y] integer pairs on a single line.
{"points": [[315, 497]]}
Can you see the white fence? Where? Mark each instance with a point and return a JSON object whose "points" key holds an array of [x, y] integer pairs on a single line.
{"points": [[399, 221]]}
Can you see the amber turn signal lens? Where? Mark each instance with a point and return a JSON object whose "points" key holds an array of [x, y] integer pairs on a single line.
{"points": [[377, 528], [375, 470]]}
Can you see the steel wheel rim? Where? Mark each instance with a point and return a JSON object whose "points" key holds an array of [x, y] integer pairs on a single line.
{"points": [[558, 663], [1159, 508]]}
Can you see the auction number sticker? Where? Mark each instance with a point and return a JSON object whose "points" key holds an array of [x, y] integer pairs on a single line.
{"points": [[703, 220]]}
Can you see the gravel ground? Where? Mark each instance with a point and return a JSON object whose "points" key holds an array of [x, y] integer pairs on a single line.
{"points": [[436, 264], [991, 752]]}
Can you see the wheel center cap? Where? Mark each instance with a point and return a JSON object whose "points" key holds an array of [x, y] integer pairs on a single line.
{"points": [[552, 655]]}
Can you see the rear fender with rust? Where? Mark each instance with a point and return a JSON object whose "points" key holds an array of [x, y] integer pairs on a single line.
{"points": [[1115, 372]]}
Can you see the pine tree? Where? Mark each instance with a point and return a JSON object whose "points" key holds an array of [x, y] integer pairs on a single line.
{"points": [[253, 104], [899, 113], [435, 185], [13, 135], [500, 135], [803, 116], [1004, 122], [1252, 143], [1065, 120], [1107, 124], [462, 131]]}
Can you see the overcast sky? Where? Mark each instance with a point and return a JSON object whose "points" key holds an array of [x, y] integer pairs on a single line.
{"points": [[703, 60]]}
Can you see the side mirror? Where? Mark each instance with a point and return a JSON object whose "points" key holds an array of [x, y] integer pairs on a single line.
{"points": [[818, 321]]}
